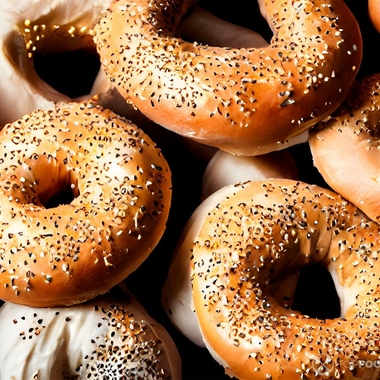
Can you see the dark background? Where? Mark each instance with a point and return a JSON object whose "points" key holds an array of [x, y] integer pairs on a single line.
{"points": [[187, 169]]}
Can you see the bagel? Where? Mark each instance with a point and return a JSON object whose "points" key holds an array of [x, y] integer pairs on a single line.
{"points": [[374, 13], [116, 187], [36, 28], [109, 337], [353, 128], [222, 170], [246, 101], [258, 233]]}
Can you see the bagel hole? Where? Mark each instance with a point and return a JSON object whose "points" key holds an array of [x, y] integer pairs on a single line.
{"points": [[315, 293], [71, 73], [63, 197], [68, 65]]}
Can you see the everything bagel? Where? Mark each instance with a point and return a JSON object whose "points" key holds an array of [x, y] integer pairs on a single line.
{"points": [[120, 189], [246, 101], [258, 233]]}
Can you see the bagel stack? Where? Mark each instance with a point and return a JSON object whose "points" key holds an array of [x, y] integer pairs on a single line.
{"points": [[31, 30], [62, 257], [246, 118]]}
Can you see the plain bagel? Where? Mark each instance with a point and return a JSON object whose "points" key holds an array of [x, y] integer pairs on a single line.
{"points": [[245, 101], [117, 188], [110, 337], [353, 128], [260, 232]]}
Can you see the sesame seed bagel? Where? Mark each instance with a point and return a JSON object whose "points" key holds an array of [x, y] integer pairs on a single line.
{"points": [[119, 195], [258, 233], [110, 337], [31, 28], [246, 101], [353, 128]]}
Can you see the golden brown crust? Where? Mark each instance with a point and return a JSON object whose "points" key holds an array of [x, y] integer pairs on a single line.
{"points": [[223, 170], [345, 148], [121, 185], [374, 13], [245, 101], [260, 234]]}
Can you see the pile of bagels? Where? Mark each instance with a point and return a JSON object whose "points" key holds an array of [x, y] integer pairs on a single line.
{"points": [[164, 203]]}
